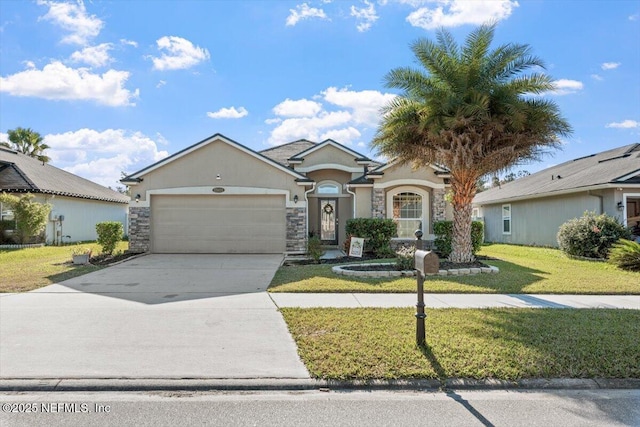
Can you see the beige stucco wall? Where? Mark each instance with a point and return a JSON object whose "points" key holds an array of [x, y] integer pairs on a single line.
{"points": [[201, 167], [405, 172], [328, 155], [363, 202]]}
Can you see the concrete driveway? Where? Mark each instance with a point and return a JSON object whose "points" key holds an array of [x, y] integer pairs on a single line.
{"points": [[157, 316]]}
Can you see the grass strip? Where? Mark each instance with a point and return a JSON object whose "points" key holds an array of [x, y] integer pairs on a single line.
{"points": [[506, 344], [522, 270]]}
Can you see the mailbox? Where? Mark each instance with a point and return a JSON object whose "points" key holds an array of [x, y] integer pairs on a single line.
{"points": [[427, 262]]}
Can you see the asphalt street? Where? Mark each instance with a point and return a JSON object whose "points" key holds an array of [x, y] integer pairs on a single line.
{"points": [[584, 408]]}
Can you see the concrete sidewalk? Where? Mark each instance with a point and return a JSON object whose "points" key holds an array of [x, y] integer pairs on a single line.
{"points": [[358, 300]]}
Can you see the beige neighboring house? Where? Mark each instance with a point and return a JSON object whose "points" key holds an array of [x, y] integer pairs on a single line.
{"points": [[218, 196], [530, 210], [77, 203]]}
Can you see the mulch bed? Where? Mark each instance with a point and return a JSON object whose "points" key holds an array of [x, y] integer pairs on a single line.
{"points": [[444, 265], [104, 259]]}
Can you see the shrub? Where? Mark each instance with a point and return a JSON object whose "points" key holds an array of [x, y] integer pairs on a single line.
{"points": [[377, 233], [591, 235], [109, 234], [314, 248], [625, 254], [405, 258], [444, 237], [31, 217]]}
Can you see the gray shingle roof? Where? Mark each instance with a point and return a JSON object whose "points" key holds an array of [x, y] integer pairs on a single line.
{"points": [[21, 174], [283, 152], [608, 167]]}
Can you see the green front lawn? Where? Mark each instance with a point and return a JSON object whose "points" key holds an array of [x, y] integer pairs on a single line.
{"points": [[27, 269], [522, 270], [504, 344]]}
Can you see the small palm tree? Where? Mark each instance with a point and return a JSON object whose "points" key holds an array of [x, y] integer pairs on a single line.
{"points": [[473, 110], [28, 142]]}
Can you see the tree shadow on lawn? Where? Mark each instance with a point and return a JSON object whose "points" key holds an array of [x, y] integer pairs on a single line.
{"points": [[512, 278]]}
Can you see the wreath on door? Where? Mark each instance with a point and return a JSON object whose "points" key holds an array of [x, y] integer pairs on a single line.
{"points": [[328, 209]]}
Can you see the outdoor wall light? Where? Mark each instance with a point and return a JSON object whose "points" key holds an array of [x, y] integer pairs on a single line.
{"points": [[620, 206], [295, 199], [137, 198], [218, 176]]}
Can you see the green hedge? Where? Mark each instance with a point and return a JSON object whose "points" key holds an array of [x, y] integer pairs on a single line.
{"points": [[109, 234], [591, 235], [444, 236], [377, 233]]}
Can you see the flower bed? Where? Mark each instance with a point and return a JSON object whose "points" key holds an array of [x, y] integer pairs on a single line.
{"points": [[388, 270]]}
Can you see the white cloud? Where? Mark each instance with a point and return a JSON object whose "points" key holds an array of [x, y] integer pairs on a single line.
{"points": [[454, 13], [344, 136], [308, 127], [101, 156], [625, 124], [73, 18], [634, 17], [4, 137], [365, 16], [298, 108], [597, 77], [29, 64], [229, 113], [57, 81], [303, 11], [357, 111], [129, 42], [566, 87], [178, 54], [610, 65], [161, 83], [365, 104], [96, 56]]}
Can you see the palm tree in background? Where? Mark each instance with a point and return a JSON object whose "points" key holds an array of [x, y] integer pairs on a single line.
{"points": [[28, 142], [473, 110]]}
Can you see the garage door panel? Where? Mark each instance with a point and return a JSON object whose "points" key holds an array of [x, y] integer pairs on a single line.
{"points": [[218, 224]]}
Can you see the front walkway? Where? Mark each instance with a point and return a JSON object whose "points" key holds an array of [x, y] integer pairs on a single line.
{"points": [[358, 300]]}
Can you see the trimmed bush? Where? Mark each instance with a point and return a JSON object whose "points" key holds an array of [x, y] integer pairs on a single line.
{"points": [[405, 258], [109, 234], [591, 235], [314, 248], [377, 233], [444, 237], [625, 255]]}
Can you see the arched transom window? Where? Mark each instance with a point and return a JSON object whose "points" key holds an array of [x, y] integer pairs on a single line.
{"points": [[409, 210], [328, 188]]}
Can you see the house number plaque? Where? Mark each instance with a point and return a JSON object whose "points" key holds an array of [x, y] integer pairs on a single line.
{"points": [[218, 190]]}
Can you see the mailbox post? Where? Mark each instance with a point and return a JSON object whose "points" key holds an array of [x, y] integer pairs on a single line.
{"points": [[420, 314], [425, 262]]}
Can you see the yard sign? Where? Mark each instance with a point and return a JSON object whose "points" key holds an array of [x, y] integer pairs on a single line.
{"points": [[356, 246]]}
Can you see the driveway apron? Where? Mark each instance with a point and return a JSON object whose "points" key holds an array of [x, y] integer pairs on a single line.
{"points": [[156, 316]]}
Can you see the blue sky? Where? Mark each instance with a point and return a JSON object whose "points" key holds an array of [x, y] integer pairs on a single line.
{"points": [[117, 85]]}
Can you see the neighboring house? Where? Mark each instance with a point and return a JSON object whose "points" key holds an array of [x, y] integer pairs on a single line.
{"points": [[77, 204], [531, 209], [218, 196]]}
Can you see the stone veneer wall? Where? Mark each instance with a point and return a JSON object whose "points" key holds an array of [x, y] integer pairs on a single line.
{"points": [[377, 203], [439, 213], [296, 230], [139, 229]]}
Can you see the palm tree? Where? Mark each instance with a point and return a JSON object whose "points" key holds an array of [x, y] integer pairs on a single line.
{"points": [[28, 142], [473, 110]]}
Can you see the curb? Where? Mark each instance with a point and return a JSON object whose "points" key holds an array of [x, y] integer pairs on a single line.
{"points": [[294, 384]]}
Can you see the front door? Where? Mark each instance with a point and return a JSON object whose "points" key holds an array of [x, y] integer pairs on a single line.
{"points": [[328, 221]]}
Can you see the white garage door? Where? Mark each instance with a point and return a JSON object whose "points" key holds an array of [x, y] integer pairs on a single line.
{"points": [[218, 224]]}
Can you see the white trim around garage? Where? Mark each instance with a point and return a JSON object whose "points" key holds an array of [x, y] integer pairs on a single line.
{"points": [[226, 191]]}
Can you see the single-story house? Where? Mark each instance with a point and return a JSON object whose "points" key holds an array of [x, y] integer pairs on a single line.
{"points": [[530, 210], [218, 196], [77, 203]]}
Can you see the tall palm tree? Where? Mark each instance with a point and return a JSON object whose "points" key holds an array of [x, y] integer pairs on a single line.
{"points": [[28, 142], [474, 110]]}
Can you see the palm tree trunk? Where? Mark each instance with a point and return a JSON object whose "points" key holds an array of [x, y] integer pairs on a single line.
{"points": [[463, 192]]}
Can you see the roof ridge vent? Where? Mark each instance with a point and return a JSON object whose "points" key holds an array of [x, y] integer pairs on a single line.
{"points": [[615, 158]]}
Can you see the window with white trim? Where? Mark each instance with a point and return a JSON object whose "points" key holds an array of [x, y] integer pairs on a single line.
{"points": [[328, 188], [506, 219], [407, 213]]}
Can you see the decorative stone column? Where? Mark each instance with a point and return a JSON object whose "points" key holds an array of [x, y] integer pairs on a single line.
{"points": [[296, 230], [139, 229], [377, 203], [439, 203]]}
